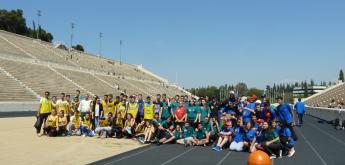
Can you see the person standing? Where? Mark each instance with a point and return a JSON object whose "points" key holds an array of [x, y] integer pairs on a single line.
{"points": [[84, 107], [285, 115], [300, 110], [97, 112], [44, 110]]}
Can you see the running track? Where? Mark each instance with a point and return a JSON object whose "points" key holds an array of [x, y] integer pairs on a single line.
{"points": [[319, 144]]}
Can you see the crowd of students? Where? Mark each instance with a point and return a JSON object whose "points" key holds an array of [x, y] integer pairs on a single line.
{"points": [[238, 123]]}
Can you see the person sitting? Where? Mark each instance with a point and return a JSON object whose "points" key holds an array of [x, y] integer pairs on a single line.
{"points": [[250, 136], [149, 130], [167, 136], [238, 137], [224, 136], [61, 123], [74, 125], [129, 127], [50, 126], [86, 126], [188, 135], [104, 129], [287, 140], [202, 137], [271, 142]]}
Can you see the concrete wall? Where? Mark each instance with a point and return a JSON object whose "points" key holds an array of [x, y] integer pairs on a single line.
{"points": [[18, 106], [327, 114]]}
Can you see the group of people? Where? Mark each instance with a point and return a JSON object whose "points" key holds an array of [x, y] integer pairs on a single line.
{"points": [[238, 123]]}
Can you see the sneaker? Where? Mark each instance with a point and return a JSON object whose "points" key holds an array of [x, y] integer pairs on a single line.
{"points": [[185, 142], [214, 148], [273, 157], [291, 153]]}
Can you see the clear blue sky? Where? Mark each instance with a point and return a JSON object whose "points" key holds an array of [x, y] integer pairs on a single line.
{"points": [[206, 42]]}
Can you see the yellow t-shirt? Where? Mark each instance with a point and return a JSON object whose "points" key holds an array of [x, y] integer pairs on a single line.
{"points": [[122, 111], [87, 123], [62, 121], [62, 105], [46, 106], [133, 109], [104, 123], [76, 121], [148, 111], [105, 107], [52, 120], [110, 108]]}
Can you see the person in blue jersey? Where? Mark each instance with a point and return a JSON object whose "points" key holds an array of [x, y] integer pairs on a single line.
{"points": [[285, 115], [238, 137], [275, 126], [287, 140], [192, 112], [141, 103], [224, 136], [250, 135], [247, 111], [300, 110]]}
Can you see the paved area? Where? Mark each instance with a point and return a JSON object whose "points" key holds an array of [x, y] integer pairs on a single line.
{"points": [[319, 144]]}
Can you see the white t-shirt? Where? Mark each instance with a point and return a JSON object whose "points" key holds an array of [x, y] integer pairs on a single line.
{"points": [[84, 106], [97, 110]]}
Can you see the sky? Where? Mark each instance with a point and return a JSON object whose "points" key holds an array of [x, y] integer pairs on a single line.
{"points": [[203, 42]]}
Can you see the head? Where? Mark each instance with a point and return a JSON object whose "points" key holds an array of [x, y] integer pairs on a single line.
{"points": [[98, 100], [129, 116], [178, 127], [54, 112], [147, 123], [110, 115], [186, 125], [132, 99], [140, 97], [185, 98], [54, 98], [46, 94], [61, 113], [87, 116], [110, 97], [181, 104], [156, 116], [265, 126], [177, 97], [77, 92], [87, 96], [249, 125], [172, 127], [299, 99], [62, 96], [254, 119], [200, 126], [274, 124], [207, 119], [68, 97], [105, 97], [192, 102], [280, 100], [203, 102], [158, 98], [168, 119], [148, 99]]}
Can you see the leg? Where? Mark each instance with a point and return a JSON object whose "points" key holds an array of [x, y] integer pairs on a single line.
{"points": [[294, 136]]}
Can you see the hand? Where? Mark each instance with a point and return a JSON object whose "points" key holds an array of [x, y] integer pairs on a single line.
{"points": [[267, 143]]}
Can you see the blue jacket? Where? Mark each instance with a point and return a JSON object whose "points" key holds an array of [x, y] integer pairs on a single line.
{"points": [[300, 108], [285, 114]]}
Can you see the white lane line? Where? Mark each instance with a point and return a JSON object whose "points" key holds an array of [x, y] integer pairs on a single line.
{"points": [[272, 161], [312, 147], [328, 134], [174, 158], [129, 156], [222, 160]]}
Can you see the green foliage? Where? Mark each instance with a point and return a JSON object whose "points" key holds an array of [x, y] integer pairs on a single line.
{"points": [[78, 47], [13, 21]]}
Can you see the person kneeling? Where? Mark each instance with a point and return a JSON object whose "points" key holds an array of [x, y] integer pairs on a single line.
{"points": [[50, 128], [61, 123], [74, 125], [104, 129], [128, 130], [85, 126], [238, 138]]}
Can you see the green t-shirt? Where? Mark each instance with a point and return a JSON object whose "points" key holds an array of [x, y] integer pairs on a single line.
{"points": [[204, 112], [174, 105], [188, 132], [200, 134], [207, 126], [166, 111], [177, 134], [191, 112], [166, 125]]}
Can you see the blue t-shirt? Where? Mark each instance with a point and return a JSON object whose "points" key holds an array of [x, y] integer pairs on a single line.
{"points": [[284, 111], [239, 135], [246, 114], [300, 108], [288, 135], [250, 135]]}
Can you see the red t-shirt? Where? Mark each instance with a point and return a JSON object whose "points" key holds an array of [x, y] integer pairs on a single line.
{"points": [[180, 112]]}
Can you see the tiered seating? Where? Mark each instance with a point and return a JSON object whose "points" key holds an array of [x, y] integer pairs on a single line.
{"points": [[122, 84], [11, 90], [323, 99], [8, 49], [39, 78], [35, 48], [89, 82]]}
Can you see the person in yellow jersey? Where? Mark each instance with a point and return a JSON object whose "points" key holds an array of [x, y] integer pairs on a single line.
{"points": [[105, 103], [44, 110], [61, 104], [129, 127], [132, 107], [61, 123], [74, 125], [105, 126], [122, 111], [85, 126], [110, 105], [54, 102], [50, 128], [148, 109], [69, 102]]}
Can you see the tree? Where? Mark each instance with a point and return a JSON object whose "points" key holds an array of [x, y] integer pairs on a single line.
{"points": [[241, 89], [341, 76], [78, 47]]}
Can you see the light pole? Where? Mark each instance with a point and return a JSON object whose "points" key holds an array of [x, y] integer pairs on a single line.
{"points": [[120, 52], [100, 44], [39, 13], [72, 27]]}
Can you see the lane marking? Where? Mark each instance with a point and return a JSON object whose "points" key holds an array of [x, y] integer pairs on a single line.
{"points": [[174, 158], [131, 155], [312, 147], [272, 161], [222, 160], [328, 134]]}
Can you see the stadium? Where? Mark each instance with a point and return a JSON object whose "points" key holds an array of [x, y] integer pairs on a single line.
{"points": [[62, 105]]}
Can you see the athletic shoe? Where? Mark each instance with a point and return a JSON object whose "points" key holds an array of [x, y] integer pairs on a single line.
{"points": [[185, 142], [214, 148], [273, 157], [291, 153]]}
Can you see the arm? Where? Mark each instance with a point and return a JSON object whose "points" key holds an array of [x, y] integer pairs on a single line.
{"points": [[272, 141], [39, 109], [160, 112]]}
